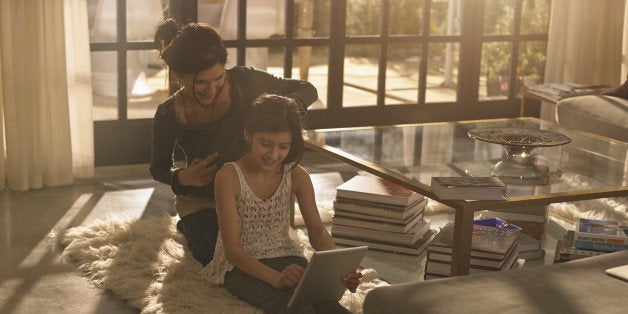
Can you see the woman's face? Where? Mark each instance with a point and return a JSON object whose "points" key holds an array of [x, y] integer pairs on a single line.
{"points": [[269, 149], [205, 86]]}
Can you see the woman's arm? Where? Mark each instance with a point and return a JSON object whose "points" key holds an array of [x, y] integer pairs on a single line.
{"points": [[227, 188], [259, 82], [162, 145], [304, 191]]}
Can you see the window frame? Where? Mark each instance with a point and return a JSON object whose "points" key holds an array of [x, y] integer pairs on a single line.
{"points": [[467, 105]]}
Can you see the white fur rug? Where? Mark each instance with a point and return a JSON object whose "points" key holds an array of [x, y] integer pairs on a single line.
{"points": [[145, 263]]}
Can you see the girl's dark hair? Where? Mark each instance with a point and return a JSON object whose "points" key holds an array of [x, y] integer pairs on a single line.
{"points": [[189, 48], [275, 113]]}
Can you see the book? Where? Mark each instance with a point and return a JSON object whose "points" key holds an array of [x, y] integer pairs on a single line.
{"points": [[375, 189], [598, 231], [414, 249], [534, 229], [497, 223], [376, 224], [487, 242], [378, 218], [444, 268], [564, 257], [468, 188], [532, 210], [599, 246], [410, 237], [473, 261], [566, 251], [512, 216], [528, 243], [577, 88], [379, 209], [565, 90], [569, 247]]}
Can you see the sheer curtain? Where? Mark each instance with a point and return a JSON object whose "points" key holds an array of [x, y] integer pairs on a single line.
{"points": [[584, 44], [38, 95], [79, 87]]}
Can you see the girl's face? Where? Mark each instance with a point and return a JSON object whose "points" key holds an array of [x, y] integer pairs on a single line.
{"points": [[269, 149], [205, 85]]}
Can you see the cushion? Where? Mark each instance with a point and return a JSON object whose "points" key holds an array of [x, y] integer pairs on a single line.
{"points": [[579, 286], [599, 114]]}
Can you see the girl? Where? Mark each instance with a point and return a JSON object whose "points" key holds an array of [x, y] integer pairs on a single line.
{"points": [[255, 258]]}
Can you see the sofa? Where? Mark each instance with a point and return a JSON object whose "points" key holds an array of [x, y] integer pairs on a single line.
{"points": [[579, 286], [599, 114]]}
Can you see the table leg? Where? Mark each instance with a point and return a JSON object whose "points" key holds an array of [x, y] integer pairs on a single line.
{"points": [[463, 230], [522, 106]]}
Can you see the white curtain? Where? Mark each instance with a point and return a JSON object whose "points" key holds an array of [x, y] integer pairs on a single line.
{"points": [[624, 57], [37, 90], [79, 87], [584, 44]]}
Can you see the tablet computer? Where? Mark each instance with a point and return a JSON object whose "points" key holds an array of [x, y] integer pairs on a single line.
{"points": [[321, 280]]}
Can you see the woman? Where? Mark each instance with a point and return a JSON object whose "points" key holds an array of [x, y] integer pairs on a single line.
{"points": [[204, 119], [255, 257]]}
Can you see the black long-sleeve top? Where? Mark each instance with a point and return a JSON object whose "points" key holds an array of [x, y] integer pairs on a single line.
{"points": [[225, 135]]}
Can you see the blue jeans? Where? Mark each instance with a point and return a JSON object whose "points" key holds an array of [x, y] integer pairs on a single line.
{"points": [[201, 230], [269, 298]]}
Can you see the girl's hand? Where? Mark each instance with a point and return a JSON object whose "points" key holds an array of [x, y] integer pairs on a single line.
{"points": [[289, 277], [351, 281], [200, 172]]}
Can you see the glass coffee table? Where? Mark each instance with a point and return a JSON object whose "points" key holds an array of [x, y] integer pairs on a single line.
{"points": [[587, 167]]}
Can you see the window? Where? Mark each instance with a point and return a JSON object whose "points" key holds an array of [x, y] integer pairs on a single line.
{"points": [[127, 80], [374, 62]]}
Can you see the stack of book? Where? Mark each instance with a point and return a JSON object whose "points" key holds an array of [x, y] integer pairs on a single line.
{"points": [[532, 221], [492, 249], [601, 235], [381, 215], [567, 251], [565, 90], [591, 238]]}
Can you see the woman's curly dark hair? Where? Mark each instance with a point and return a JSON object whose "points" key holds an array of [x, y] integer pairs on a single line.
{"points": [[189, 48]]}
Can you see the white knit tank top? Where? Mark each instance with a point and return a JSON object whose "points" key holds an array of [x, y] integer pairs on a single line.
{"points": [[264, 226]]}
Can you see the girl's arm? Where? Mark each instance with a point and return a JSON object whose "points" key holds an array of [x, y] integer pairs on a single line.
{"points": [[318, 235], [304, 191], [227, 189]]}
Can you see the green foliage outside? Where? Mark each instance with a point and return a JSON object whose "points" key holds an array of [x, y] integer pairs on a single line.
{"points": [[498, 20], [405, 17]]}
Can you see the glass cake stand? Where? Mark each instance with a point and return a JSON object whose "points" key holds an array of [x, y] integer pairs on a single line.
{"points": [[519, 165]]}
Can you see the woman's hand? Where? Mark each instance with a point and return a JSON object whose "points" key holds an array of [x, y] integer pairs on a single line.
{"points": [[351, 281], [289, 277], [200, 172]]}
